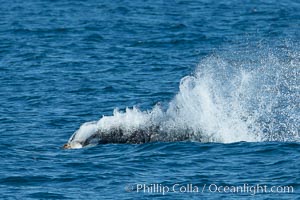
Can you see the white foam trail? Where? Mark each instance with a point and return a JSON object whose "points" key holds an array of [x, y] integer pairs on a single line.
{"points": [[225, 100]]}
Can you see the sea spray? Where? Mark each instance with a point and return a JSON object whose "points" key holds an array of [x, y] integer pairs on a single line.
{"points": [[229, 98]]}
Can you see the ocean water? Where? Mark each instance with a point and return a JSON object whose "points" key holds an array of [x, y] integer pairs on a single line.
{"points": [[226, 71]]}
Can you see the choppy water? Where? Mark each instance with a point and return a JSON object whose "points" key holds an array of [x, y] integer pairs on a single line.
{"points": [[226, 70]]}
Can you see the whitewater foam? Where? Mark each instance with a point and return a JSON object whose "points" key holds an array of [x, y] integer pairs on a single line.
{"points": [[226, 99]]}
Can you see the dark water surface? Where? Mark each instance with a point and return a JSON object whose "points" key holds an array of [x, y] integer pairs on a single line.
{"points": [[63, 63]]}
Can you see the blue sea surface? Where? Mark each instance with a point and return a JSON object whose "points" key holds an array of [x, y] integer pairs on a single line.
{"points": [[63, 63]]}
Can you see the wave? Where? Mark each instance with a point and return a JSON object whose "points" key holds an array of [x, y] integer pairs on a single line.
{"points": [[248, 96]]}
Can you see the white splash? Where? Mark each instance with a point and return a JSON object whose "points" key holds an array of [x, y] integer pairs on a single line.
{"points": [[225, 100], [85, 131]]}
